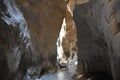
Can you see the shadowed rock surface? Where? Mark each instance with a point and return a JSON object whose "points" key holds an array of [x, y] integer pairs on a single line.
{"points": [[98, 37]]}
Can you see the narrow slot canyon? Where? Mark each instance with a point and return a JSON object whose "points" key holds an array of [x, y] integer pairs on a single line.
{"points": [[59, 39]]}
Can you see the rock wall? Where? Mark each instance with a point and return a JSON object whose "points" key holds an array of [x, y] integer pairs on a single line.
{"points": [[44, 20], [15, 44], [97, 23], [28, 33]]}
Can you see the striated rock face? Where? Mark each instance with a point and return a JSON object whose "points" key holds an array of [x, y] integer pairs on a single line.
{"points": [[28, 33], [97, 23]]}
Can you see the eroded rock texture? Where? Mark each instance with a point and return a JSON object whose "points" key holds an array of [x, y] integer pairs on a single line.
{"points": [[97, 23], [29, 30], [28, 33]]}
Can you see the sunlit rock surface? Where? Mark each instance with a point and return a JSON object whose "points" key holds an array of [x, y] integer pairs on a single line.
{"points": [[66, 43]]}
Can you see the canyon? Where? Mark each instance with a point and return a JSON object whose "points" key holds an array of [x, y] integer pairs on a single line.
{"points": [[44, 40]]}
